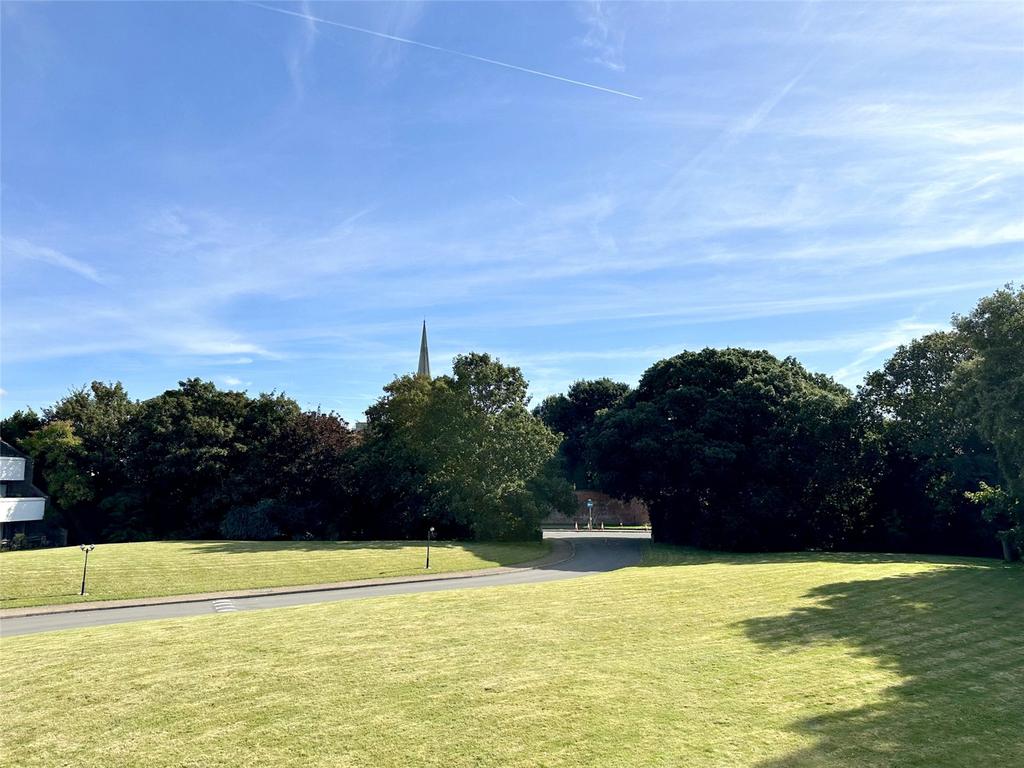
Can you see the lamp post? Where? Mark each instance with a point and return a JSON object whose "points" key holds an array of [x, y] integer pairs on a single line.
{"points": [[590, 514], [87, 548], [430, 532]]}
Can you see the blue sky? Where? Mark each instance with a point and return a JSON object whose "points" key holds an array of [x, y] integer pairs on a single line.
{"points": [[275, 202]]}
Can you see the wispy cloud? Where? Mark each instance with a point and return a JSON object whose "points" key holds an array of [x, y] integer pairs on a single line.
{"points": [[206, 343], [301, 50], [18, 248], [552, 371], [400, 20], [604, 37], [233, 381], [765, 108], [751, 199], [670, 195], [885, 342], [449, 51]]}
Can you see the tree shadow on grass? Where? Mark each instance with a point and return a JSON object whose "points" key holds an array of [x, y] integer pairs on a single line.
{"points": [[669, 554], [955, 638], [218, 547], [483, 549]]}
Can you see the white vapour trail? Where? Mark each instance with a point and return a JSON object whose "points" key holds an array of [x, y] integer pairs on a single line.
{"points": [[464, 55]]}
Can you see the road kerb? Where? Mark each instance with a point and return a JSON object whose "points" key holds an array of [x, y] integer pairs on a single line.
{"points": [[561, 551]]}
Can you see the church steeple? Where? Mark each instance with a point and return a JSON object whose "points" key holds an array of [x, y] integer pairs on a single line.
{"points": [[424, 366]]}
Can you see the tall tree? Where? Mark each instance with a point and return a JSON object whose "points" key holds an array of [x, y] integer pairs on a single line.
{"points": [[735, 449], [927, 452], [58, 454], [305, 473], [100, 416], [573, 415], [462, 452], [184, 444], [994, 381]]}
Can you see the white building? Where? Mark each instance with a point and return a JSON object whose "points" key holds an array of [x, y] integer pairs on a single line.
{"points": [[21, 503]]}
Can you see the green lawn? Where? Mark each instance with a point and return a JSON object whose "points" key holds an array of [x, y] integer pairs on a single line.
{"points": [[157, 568], [692, 660]]}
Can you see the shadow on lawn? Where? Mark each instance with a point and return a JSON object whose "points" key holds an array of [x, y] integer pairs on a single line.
{"points": [[955, 637], [215, 547], [668, 554]]}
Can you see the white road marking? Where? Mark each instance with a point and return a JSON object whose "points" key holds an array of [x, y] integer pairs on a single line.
{"points": [[224, 606]]}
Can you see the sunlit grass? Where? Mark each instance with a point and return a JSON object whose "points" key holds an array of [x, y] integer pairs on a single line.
{"points": [[151, 569], [694, 660]]}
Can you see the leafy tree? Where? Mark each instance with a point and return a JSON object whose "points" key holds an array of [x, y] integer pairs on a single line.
{"points": [[313, 456], [100, 415], [257, 460], [460, 452], [490, 386], [307, 468], [183, 445], [572, 415], [1001, 509], [735, 449], [58, 451], [924, 451], [994, 382], [18, 425]]}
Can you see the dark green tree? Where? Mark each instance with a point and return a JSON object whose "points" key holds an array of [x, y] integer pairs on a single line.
{"points": [[573, 415], [994, 383], [19, 425], [924, 452], [183, 446], [735, 449], [307, 470], [101, 416]]}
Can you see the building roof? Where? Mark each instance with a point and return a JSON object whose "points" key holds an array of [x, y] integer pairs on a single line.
{"points": [[6, 449]]}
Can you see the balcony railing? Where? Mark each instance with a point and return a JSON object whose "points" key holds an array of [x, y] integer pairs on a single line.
{"points": [[15, 509]]}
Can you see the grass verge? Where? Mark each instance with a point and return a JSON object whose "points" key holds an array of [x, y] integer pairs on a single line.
{"points": [[692, 659], [160, 568]]}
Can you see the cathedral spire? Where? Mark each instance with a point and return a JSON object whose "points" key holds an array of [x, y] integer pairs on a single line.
{"points": [[424, 367]]}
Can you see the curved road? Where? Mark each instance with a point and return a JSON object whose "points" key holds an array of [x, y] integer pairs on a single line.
{"points": [[597, 552]]}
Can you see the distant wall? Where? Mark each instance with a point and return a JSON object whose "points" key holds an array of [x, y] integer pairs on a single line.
{"points": [[606, 510]]}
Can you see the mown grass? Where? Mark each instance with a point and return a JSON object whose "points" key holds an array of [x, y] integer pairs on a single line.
{"points": [[691, 660], [160, 568]]}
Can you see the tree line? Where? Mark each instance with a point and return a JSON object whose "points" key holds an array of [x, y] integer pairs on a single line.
{"points": [[736, 449], [729, 449], [461, 453]]}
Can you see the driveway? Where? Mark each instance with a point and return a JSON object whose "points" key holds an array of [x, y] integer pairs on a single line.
{"points": [[597, 552]]}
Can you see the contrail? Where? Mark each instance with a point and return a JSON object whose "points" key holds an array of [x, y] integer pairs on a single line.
{"points": [[447, 50]]}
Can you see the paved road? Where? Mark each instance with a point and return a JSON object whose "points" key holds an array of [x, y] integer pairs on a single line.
{"points": [[596, 552]]}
